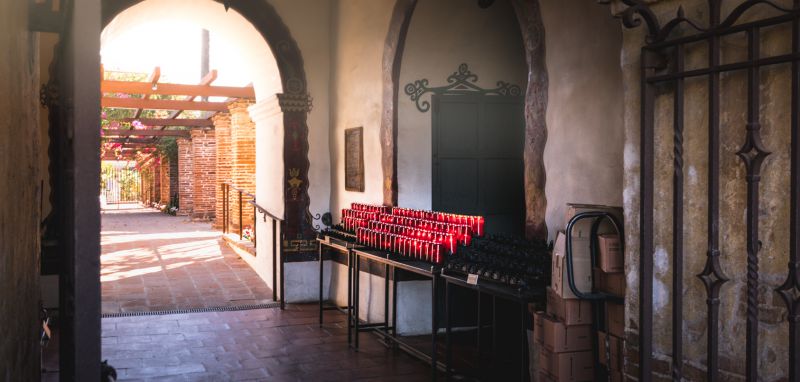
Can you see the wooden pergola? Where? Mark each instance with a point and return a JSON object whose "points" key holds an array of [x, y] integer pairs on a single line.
{"points": [[138, 96]]}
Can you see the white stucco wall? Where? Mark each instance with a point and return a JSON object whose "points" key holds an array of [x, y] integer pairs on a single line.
{"points": [[442, 35], [583, 157], [358, 33]]}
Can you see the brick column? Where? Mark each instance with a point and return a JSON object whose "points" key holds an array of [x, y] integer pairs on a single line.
{"points": [[243, 149], [164, 170], [185, 177], [204, 149], [222, 131], [155, 166], [173, 180]]}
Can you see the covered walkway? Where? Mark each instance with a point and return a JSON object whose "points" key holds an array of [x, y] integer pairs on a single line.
{"points": [[155, 262]]}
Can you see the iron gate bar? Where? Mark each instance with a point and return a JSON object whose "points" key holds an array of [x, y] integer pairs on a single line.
{"points": [[752, 154], [712, 275], [774, 60], [677, 222], [723, 29], [646, 218]]}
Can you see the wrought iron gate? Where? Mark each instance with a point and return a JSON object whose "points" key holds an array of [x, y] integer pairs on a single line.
{"points": [[120, 184], [663, 69]]}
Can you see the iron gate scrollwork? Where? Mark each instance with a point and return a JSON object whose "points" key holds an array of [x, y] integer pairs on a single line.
{"points": [[663, 65]]}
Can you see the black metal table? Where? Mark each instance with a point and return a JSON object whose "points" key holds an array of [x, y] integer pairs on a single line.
{"points": [[389, 333], [345, 247], [523, 298]]}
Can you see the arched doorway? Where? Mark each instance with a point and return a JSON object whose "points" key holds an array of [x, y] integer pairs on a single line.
{"points": [[535, 104]]}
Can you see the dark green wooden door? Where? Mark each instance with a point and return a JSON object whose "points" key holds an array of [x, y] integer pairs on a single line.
{"points": [[477, 159]]}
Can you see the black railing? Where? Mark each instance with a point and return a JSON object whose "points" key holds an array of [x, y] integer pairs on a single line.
{"points": [[243, 197]]}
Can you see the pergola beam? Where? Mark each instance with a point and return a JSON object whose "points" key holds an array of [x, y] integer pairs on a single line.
{"points": [[158, 104], [157, 122], [147, 88], [153, 80], [146, 133]]}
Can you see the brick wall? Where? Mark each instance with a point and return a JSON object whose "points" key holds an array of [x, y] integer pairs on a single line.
{"points": [[204, 150], [20, 172], [243, 151], [222, 130], [185, 176]]}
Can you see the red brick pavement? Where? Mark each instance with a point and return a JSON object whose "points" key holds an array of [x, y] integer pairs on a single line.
{"points": [[152, 261], [263, 344]]}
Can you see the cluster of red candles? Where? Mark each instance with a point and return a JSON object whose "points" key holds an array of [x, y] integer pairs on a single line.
{"points": [[448, 240], [462, 232], [352, 218], [407, 246], [371, 208], [476, 223], [424, 235]]}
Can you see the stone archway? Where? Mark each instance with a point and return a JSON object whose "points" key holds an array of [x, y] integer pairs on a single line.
{"points": [[293, 103], [532, 29]]}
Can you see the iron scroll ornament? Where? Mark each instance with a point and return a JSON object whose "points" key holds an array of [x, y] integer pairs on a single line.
{"points": [[460, 82]]}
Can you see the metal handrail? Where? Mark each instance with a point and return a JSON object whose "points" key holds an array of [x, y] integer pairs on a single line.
{"points": [[277, 260], [264, 211]]}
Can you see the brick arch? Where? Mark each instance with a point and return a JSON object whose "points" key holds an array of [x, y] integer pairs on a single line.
{"points": [[532, 29], [294, 101]]}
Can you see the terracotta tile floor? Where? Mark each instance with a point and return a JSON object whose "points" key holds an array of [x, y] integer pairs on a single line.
{"points": [[152, 261], [262, 344]]}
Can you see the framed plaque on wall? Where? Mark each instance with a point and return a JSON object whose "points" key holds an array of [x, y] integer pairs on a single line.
{"points": [[354, 159]]}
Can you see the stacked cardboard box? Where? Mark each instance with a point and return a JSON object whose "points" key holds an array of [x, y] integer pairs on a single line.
{"points": [[563, 332]]}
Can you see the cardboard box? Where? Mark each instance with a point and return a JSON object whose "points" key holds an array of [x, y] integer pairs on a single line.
{"points": [[615, 319], [613, 283], [538, 330], [611, 258], [613, 351], [581, 266], [560, 338], [569, 311], [571, 367], [583, 227]]}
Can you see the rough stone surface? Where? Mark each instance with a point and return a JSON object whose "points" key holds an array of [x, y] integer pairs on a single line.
{"points": [[19, 196], [773, 212]]}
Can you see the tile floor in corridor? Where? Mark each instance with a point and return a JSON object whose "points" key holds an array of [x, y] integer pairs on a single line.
{"points": [[261, 345], [152, 262]]}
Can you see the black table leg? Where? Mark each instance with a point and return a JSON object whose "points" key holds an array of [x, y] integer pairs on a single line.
{"points": [[394, 302], [434, 327], [349, 297], [524, 373], [320, 286], [480, 327], [448, 318], [386, 299], [494, 330], [356, 297]]}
